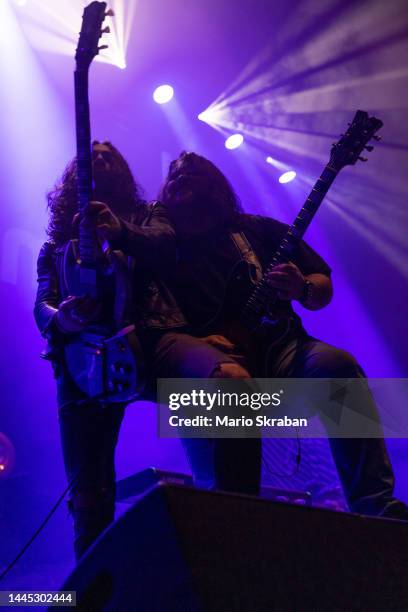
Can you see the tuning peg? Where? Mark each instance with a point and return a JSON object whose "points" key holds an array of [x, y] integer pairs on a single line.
{"points": [[105, 30], [109, 13], [363, 159], [369, 148], [103, 47], [377, 138]]}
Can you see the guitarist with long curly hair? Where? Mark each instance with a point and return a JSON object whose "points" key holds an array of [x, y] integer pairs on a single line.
{"points": [[141, 232]]}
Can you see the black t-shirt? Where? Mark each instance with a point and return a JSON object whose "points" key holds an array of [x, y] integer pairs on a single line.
{"points": [[205, 263]]}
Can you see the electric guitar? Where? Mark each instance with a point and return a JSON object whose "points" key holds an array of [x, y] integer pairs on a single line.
{"points": [[260, 321], [105, 359]]}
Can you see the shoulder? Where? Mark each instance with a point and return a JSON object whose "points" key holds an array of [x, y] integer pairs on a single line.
{"points": [[148, 211], [48, 249], [157, 208], [266, 226], [47, 256]]}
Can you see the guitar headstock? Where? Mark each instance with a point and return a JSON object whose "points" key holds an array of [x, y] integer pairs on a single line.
{"points": [[347, 151], [91, 31]]}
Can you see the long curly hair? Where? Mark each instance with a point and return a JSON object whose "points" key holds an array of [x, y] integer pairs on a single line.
{"points": [[126, 197], [228, 205]]}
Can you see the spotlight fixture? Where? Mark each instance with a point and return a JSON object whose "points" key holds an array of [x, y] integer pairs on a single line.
{"points": [[234, 141], [287, 177], [163, 94]]}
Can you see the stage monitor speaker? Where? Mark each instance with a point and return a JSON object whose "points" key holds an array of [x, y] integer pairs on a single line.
{"points": [[128, 490], [180, 549]]}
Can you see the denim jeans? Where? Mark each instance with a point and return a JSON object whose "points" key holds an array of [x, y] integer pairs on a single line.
{"points": [[363, 465]]}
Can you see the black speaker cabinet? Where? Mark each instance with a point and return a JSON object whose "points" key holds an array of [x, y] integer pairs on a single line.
{"points": [[180, 549]]}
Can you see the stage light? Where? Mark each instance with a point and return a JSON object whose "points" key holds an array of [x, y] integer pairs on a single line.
{"points": [[163, 94], [53, 27], [206, 117], [7, 456], [287, 177], [234, 141]]}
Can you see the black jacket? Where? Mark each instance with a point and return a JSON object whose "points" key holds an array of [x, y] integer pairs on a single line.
{"points": [[149, 242]]}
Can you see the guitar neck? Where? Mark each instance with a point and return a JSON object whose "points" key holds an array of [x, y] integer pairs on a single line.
{"points": [[298, 228], [262, 293], [86, 244]]}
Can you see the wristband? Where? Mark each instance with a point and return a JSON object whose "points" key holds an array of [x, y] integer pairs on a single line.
{"points": [[307, 293]]}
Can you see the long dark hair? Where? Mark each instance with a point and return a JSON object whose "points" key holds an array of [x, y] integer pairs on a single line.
{"points": [[227, 202], [62, 199]]}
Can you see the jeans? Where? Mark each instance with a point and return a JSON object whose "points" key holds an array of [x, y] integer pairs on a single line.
{"points": [[89, 433], [229, 464]]}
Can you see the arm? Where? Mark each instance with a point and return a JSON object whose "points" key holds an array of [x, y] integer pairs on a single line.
{"points": [[153, 245], [48, 296], [313, 291], [319, 294], [56, 319], [307, 278]]}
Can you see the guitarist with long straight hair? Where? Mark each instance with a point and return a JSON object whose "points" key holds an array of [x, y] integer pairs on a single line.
{"points": [[90, 426], [214, 238]]}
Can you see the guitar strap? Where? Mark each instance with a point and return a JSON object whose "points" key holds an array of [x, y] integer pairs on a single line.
{"points": [[247, 253]]}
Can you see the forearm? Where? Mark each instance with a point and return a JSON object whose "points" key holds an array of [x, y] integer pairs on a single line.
{"points": [[153, 245], [150, 245], [320, 293]]}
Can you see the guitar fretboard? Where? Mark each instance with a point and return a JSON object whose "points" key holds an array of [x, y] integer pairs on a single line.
{"points": [[263, 293]]}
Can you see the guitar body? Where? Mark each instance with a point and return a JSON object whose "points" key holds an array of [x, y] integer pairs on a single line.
{"points": [[106, 362], [254, 339]]}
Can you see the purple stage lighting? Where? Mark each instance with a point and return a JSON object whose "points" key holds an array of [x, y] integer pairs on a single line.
{"points": [[234, 141], [287, 177], [163, 94], [7, 456]]}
